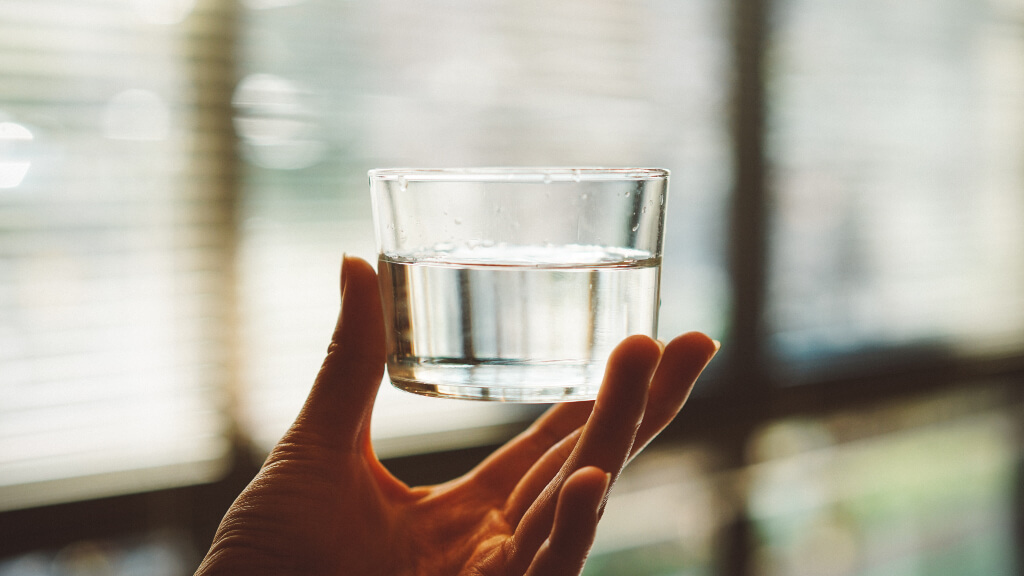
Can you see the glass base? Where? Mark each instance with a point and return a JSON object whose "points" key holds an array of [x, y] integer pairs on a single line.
{"points": [[526, 384]]}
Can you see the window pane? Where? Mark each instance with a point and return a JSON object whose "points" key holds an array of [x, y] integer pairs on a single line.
{"points": [[332, 89], [896, 135], [107, 266], [924, 488], [664, 516], [156, 553]]}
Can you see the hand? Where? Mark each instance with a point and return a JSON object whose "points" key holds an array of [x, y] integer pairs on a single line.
{"points": [[324, 504]]}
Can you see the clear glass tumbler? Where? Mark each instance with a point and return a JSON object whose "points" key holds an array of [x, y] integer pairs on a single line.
{"points": [[515, 284]]}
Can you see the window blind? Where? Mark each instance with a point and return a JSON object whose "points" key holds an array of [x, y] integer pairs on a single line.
{"points": [[111, 249], [179, 180]]}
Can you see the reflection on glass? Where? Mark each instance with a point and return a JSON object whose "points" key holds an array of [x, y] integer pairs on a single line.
{"points": [[277, 123], [896, 135], [916, 489], [14, 163]]}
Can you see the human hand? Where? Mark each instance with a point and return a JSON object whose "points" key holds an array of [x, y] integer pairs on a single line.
{"points": [[324, 504]]}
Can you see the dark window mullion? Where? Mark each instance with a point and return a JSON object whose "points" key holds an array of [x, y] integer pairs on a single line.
{"points": [[746, 387]]}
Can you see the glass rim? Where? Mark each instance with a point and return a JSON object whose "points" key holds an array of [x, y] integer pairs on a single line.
{"points": [[517, 174]]}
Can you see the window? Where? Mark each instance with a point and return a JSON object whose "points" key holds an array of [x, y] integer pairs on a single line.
{"points": [[180, 178], [151, 276], [332, 89], [844, 495], [111, 251], [896, 136]]}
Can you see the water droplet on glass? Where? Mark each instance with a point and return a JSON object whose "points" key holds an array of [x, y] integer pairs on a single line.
{"points": [[403, 184], [576, 175], [643, 210], [636, 227], [628, 194], [583, 196], [458, 221], [547, 178]]}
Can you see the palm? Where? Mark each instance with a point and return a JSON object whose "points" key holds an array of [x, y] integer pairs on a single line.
{"points": [[324, 504]]}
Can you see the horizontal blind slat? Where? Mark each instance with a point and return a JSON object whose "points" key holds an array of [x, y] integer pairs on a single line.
{"points": [[112, 247]]}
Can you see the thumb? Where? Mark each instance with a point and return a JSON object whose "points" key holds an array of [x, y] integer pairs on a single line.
{"points": [[339, 405]]}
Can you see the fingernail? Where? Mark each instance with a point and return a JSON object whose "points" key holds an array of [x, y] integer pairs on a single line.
{"points": [[661, 343], [604, 498], [718, 345]]}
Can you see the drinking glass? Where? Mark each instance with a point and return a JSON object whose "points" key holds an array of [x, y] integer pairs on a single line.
{"points": [[515, 284]]}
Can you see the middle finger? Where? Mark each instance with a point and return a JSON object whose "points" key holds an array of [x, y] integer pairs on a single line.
{"points": [[607, 437]]}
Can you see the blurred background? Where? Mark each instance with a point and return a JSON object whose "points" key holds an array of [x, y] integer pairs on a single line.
{"points": [[180, 178]]}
